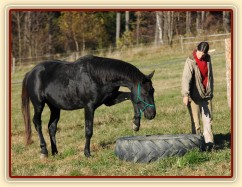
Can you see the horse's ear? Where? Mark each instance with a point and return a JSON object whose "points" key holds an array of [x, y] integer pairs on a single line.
{"points": [[151, 75]]}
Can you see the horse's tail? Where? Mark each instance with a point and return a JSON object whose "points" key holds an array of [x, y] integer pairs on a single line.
{"points": [[26, 111]]}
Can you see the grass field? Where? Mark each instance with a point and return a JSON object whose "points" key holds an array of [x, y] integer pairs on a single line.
{"points": [[116, 121]]}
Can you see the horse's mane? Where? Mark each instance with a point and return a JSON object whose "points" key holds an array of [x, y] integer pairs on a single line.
{"points": [[107, 69]]}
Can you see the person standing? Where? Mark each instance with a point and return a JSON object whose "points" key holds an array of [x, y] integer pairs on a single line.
{"points": [[197, 91]]}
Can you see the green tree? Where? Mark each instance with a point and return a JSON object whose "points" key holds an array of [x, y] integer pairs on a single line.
{"points": [[83, 28]]}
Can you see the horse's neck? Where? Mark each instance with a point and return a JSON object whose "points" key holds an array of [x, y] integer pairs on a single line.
{"points": [[125, 83], [117, 77], [120, 80]]}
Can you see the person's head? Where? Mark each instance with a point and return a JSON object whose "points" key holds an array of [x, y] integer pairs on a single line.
{"points": [[202, 49]]}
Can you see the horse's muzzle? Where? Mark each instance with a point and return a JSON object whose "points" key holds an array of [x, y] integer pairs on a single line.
{"points": [[150, 114]]}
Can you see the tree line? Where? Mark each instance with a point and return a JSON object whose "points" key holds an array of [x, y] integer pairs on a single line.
{"points": [[36, 33]]}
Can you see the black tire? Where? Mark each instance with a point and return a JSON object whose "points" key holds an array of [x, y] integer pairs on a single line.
{"points": [[153, 147]]}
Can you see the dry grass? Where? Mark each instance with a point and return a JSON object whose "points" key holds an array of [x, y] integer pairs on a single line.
{"points": [[114, 122]]}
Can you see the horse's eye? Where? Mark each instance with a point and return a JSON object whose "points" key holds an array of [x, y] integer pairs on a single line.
{"points": [[152, 90], [145, 93]]}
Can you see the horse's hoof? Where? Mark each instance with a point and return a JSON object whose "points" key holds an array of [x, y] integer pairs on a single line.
{"points": [[135, 128], [87, 154], [55, 153], [43, 156]]}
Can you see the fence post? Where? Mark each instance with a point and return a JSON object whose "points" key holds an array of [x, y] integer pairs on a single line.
{"points": [[182, 44], [228, 68], [13, 65]]}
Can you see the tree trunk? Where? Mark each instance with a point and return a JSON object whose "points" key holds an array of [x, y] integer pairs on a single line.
{"points": [[198, 22], [226, 21], [19, 39], [76, 42], [126, 20], [170, 19], [159, 25], [177, 21], [49, 44], [50, 26], [202, 19], [188, 22], [165, 27], [156, 30], [83, 44], [27, 34], [137, 27], [118, 19]]}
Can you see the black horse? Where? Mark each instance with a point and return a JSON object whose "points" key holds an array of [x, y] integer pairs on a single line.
{"points": [[86, 83]]}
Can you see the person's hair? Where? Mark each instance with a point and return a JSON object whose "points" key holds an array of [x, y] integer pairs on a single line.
{"points": [[203, 46]]}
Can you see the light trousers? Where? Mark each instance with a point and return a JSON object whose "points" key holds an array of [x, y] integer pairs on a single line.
{"points": [[201, 109]]}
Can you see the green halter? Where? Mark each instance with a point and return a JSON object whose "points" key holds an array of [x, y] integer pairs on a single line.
{"points": [[146, 105]]}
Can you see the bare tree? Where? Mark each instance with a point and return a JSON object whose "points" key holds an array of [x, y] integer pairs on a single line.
{"points": [[156, 31], [226, 21], [126, 20], [199, 22], [177, 21], [36, 33], [27, 34], [118, 20], [202, 19], [159, 28], [138, 21], [170, 24], [188, 22], [17, 16]]}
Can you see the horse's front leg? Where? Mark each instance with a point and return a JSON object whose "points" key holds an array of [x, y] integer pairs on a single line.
{"points": [[89, 115], [117, 97], [136, 121]]}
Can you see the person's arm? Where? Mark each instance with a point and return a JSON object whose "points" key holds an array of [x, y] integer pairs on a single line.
{"points": [[185, 100], [186, 79], [212, 80]]}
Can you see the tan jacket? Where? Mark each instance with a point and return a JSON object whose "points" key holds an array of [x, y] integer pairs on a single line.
{"points": [[192, 80]]}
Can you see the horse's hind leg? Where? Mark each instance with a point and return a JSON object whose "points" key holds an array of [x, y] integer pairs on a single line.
{"points": [[37, 122], [52, 126]]}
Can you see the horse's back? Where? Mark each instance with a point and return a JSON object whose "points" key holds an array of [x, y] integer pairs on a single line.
{"points": [[46, 69], [37, 78]]}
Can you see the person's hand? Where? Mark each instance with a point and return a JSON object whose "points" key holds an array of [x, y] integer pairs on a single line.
{"points": [[185, 100]]}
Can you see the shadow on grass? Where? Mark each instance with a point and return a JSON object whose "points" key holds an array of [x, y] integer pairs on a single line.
{"points": [[222, 141]]}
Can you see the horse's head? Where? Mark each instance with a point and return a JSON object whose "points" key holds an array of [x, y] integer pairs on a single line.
{"points": [[143, 97]]}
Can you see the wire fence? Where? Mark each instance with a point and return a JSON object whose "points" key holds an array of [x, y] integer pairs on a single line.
{"points": [[217, 41], [158, 65]]}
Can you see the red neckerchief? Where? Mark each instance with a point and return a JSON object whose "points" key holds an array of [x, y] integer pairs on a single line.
{"points": [[203, 67]]}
